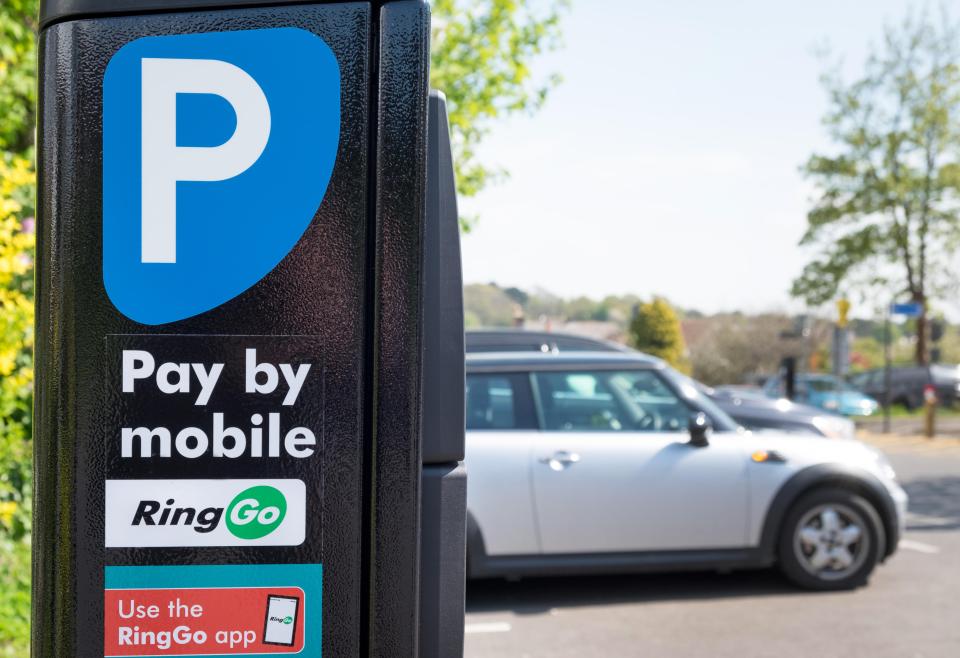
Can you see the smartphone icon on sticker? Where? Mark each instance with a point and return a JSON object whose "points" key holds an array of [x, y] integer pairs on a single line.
{"points": [[280, 625]]}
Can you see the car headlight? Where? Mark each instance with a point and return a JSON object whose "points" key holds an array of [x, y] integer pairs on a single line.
{"points": [[884, 465], [834, 427]]}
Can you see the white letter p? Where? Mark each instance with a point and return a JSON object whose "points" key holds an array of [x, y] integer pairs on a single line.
{"points": [[164, 163]]}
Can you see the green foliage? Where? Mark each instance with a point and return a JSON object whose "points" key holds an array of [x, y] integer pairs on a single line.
{"points": [[950, 346], [887, 212], [14, 598], [486, 305], [734, 347], [480, 58], [17, 189], [16, 344], [655, 329], [18, 83]]}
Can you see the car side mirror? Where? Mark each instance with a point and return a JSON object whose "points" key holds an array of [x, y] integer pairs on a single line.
{"points": [[700, 429]]}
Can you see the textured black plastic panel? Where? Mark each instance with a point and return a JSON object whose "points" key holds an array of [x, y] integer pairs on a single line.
{"points": [[400, 182], [319, 289], [443, 553], [57, 10], [443, 348]]}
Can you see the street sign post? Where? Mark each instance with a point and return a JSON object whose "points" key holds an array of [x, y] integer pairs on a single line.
{"points": [[232, 314], [907, 309]]}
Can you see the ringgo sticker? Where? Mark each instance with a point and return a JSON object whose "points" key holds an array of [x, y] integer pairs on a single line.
{"points": [[252, 610], [152, 513]]}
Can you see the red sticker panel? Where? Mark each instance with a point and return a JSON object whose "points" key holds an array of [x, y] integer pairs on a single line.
{"points": [[204, 622]]}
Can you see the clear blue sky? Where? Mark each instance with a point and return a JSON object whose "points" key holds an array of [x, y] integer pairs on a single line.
{"points": [[667, 161]]}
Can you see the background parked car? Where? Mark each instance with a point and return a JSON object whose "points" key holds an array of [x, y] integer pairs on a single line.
{"points": [[908, 383], [589, 462], [751, 408], [826, 392], [755, 411]]}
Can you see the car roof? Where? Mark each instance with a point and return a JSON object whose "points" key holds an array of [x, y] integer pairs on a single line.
{"points": [[547, 360], [524, 340]]}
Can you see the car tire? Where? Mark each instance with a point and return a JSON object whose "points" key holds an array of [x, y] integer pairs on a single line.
{"points": [[831, 539]]}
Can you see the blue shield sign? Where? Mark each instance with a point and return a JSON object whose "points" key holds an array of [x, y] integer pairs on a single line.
{"points": [[217, 152]]}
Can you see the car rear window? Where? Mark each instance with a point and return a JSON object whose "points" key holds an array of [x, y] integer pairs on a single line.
{"points": [[499, 402]]}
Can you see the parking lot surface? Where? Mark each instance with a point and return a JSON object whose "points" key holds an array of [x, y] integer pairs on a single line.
{"points": [[910, 608]]}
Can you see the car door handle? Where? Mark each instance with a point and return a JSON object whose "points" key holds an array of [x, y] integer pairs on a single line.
{"points": [[560, 460]]}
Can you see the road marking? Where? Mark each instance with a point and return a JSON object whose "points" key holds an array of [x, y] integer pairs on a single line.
{"points": [[926, 520], [919, 546], [491, 627]]}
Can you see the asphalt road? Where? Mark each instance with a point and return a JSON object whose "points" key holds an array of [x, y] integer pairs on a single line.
{"points": [[911, 607]]}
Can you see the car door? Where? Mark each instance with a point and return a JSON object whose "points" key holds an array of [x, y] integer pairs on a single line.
{"points": [[613, 470], [501, 426]]}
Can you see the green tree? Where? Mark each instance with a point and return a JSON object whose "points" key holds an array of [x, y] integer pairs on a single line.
{"points": [[480, 59], [16, 400], [486, 305], [733, 347], [18, 79], [887, 213], [655, 329], [18, 23]]}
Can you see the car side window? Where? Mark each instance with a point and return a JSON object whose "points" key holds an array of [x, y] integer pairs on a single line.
{"points": [[629, 400], [499, 402]]}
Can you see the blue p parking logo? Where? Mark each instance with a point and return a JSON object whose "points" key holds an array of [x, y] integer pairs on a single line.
{"points": [[217, 152]]}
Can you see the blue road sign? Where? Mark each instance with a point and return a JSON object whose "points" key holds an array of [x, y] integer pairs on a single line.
{"points": [[909, 309]]}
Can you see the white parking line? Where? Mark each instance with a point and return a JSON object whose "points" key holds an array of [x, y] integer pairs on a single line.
{"points": [[919, 546], [926, 519], [489, 627]]}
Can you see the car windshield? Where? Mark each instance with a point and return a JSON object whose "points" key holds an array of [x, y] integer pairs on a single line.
{"points": [[692, 390]]}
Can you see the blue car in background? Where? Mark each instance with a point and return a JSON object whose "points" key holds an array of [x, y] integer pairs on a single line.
{"points": [[826, 392]]}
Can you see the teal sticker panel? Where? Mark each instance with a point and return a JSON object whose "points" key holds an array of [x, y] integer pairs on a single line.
{"points": [[258, 611]]}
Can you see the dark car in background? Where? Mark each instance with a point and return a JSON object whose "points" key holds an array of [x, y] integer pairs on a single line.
{"points": [[753, 412], [907, 384], [517, 340]]}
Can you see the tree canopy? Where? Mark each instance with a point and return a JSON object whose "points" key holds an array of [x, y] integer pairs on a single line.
{"points": [[886, 218], [481, 54], [655, 329]]}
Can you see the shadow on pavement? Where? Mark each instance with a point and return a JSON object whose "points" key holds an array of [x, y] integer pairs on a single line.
{"points": [[538, 595], [935, 497]]}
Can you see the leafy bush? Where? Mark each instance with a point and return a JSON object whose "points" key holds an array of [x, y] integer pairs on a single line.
{"points": [[17, 241], [14, 598]]}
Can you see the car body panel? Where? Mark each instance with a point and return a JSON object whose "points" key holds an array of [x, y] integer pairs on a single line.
{"points": [[633, 491], [499, 490]]}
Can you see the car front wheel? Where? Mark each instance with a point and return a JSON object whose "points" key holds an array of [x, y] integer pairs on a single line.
{"points": [[831, 539]]}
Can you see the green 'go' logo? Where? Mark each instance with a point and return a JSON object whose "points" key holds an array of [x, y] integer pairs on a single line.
{"points": [[256, 512], [288, 620]]}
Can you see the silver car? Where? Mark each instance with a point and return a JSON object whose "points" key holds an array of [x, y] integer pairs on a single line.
{"points": [[614, 462]]}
